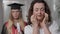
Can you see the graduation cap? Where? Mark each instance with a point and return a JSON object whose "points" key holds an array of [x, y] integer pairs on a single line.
{"points": [[15, 5]]}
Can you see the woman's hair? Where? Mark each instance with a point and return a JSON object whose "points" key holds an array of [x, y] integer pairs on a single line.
{"points": [[47, 10], [10, 21]]}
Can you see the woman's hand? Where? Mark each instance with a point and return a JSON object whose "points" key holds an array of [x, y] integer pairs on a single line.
{"points": [[34, 20], [34, 24], [43, 24], [44, 21]]}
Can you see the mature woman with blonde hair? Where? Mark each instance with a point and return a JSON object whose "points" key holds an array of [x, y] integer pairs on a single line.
{"points": [[15, 24]]}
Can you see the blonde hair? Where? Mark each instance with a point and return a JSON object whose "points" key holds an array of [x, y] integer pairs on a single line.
{"points": [[10, 22]]}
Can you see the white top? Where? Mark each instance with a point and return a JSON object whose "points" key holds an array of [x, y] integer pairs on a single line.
{"points": [[18, 27], [53, 29]]}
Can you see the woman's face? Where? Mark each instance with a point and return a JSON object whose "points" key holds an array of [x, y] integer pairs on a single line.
{"points": [[15, 13], [39, 10]]}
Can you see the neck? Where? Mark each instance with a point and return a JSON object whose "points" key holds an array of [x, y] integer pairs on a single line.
{"points": [[15, 20]]}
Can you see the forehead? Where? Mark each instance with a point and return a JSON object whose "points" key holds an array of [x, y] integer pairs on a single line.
{"points": [[38, 5]]}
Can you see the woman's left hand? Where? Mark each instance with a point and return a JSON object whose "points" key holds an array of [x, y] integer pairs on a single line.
{"points": [[45, 20], [43, 24]]}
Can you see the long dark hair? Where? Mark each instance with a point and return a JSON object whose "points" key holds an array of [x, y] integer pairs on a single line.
{"points": [[47, 10]]}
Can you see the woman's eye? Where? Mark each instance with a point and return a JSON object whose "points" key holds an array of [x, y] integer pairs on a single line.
{"points": [[36, 10], [17, 11], [42, 9]]}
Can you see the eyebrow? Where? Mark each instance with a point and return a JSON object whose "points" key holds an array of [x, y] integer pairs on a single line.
{"points": [[40, 8]]}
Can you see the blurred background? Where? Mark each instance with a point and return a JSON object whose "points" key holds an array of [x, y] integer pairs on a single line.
{"points": [[5, 10]]}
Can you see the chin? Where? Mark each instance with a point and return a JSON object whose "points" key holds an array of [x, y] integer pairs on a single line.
{"points": [[39, 18], [15, 17]]}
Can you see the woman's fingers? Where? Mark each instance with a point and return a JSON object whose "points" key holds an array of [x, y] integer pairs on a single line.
{"points": [[46, 16], [33, 19]]}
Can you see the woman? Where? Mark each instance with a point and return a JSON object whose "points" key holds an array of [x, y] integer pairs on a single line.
{"points": [[15, 24], [39, 19]]}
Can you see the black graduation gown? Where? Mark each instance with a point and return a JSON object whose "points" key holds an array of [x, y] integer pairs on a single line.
{"points": [[4, 30]]}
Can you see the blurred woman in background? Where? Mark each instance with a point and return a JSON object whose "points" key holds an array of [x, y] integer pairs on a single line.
{"points": [[15, 23]]}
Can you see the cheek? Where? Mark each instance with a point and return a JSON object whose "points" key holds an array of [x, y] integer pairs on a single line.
{"points": [[35, 12], [42, 12], [17, 14], [13, 14]]}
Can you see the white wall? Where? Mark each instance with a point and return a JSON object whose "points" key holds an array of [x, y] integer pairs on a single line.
{"points": [[1, 15]]}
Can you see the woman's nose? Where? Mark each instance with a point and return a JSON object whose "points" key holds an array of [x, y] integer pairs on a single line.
{"points": [[39, 11]]}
